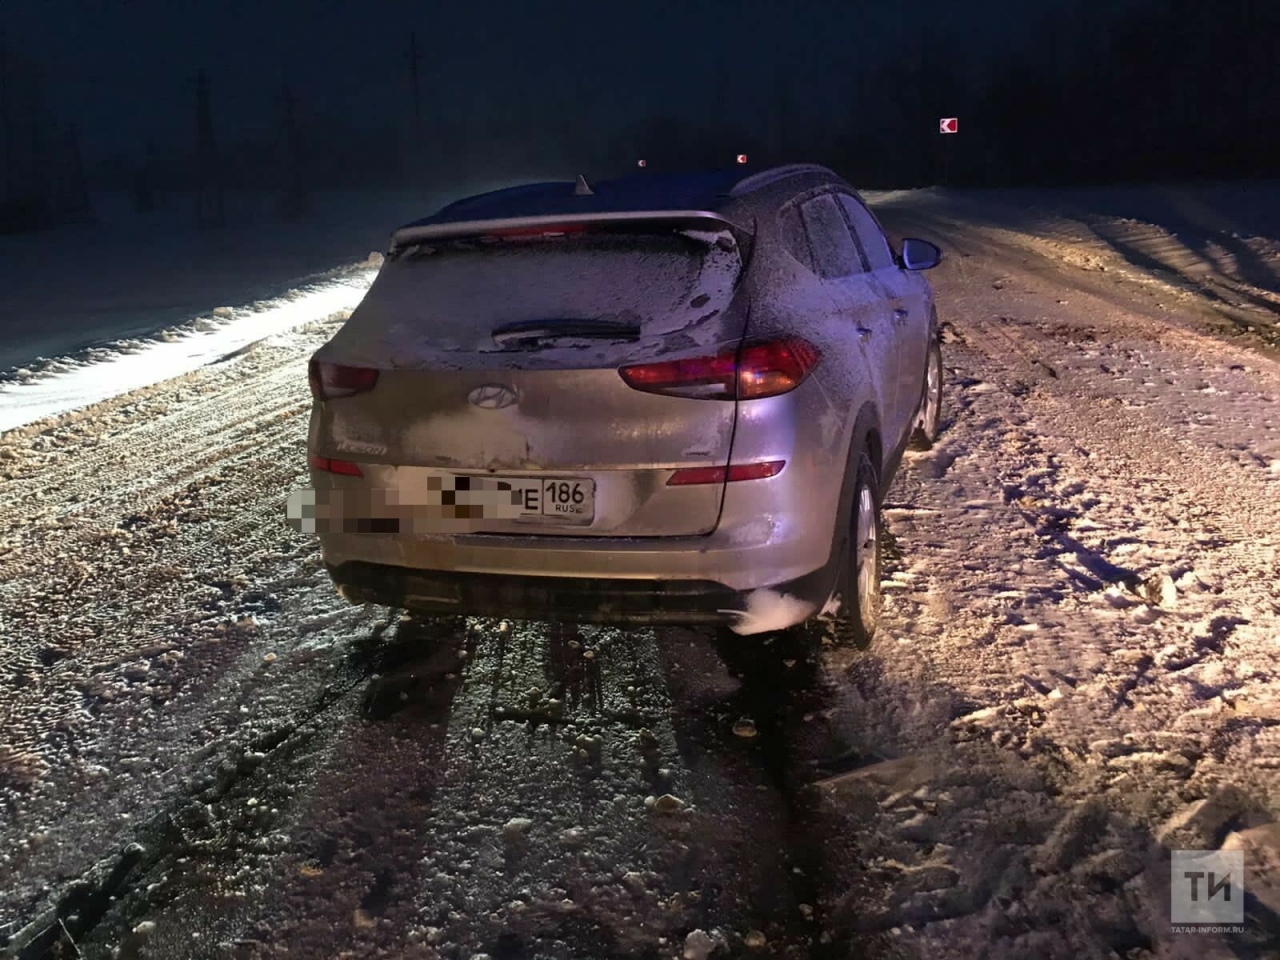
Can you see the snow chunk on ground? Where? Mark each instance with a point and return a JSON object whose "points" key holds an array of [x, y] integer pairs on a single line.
{"points": [[769, 610], [831, 609]]}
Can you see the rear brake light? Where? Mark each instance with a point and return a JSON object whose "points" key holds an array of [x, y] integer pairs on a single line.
{"points": [[331, 380], [330, 465], [518, 233], [737, 471], [754, 371]]}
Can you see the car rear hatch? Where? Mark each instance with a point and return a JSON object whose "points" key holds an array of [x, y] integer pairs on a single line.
{"points": [[545, 358]]}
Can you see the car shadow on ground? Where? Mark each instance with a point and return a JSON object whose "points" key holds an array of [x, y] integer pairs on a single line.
{"points": [[815, 821], [319, 818]]}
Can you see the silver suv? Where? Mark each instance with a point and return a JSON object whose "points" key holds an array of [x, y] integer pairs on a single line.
{"points": [[657, 399]]}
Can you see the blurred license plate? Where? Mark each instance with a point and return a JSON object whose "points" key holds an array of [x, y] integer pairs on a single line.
{"points": [[566, 499]]}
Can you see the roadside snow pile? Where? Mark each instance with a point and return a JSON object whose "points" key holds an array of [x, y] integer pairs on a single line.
{"points": [[1209, 247], [131, 274], [110, 371]]}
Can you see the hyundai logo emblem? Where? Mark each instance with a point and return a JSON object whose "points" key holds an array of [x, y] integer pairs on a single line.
{"points": [[492, 396]]}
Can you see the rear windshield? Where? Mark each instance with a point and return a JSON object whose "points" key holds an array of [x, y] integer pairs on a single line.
{"points": [[462, 291]]}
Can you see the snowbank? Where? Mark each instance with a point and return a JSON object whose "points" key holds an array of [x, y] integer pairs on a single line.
{"points": [[115, 369]]}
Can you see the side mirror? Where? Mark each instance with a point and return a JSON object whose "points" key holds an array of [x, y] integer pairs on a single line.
{"points": [[919, 254]]}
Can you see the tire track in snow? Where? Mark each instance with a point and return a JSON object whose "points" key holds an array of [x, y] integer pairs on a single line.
{"points": [[206, 535], [202, 817], [93, 631], [163, 455], [1048, 722], [1237, 510], [491, 791]]}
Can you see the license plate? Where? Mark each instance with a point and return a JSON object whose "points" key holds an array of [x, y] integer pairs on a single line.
{"points": [[527, 499], [566, 500]]}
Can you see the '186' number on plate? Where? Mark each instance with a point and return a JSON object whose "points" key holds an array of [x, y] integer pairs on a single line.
{"points": [[567, 498]]}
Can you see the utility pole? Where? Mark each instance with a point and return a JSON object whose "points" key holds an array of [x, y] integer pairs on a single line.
{"points": [[209, 206], [411, 146], [294, 202], [156, 175], [40, 174], [78, 206], [6, 125], [782, 126], [415, 89], [948, 148]]}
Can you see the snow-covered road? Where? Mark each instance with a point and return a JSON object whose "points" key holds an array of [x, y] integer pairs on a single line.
{"points": [[1079, 672]]}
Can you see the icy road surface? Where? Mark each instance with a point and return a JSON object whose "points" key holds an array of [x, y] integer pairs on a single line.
{"points": [[204, 753]]}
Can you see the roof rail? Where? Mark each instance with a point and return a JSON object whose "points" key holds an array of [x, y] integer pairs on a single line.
{"points": [[766, 177]]}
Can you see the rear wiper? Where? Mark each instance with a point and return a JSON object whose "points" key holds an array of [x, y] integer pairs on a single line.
{"points": [[532, 332]]}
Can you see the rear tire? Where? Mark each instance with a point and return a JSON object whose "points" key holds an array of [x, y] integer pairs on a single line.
{"points": [[859, 583], [930, 423]]}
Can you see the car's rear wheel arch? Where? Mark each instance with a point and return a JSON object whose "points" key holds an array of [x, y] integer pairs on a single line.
{"points": [[865, 448], [864, 439]]}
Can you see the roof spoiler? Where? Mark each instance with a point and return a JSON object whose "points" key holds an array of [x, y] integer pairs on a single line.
{"points": [[470, 228]]}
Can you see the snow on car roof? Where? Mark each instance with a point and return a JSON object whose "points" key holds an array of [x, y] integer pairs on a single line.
{"points": [[711, 191]]}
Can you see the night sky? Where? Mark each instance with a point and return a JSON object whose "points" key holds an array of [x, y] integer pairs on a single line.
{"points": [[509, 83], [124, 70]]}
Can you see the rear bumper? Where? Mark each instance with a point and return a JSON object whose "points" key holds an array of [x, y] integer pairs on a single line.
{"points": [[610, 601], [536, 598]]}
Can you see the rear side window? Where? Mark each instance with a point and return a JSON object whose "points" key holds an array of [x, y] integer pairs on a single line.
{"points": [[870, 237], [794, 237], [834, 252]]}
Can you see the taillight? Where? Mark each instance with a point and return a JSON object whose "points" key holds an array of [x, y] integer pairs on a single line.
{"points": [[736, 471], [330, 465], [331, 380], [753, 371], [768, 369], [703, 378]]}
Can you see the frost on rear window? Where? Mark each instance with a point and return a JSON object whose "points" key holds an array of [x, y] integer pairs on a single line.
{"points": [[450, 297]]}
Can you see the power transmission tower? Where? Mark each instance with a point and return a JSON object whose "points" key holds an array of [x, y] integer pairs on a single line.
{"points": [[209, 202]]}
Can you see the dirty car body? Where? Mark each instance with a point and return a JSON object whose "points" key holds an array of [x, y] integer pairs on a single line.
{"points": [[637, 402]]}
